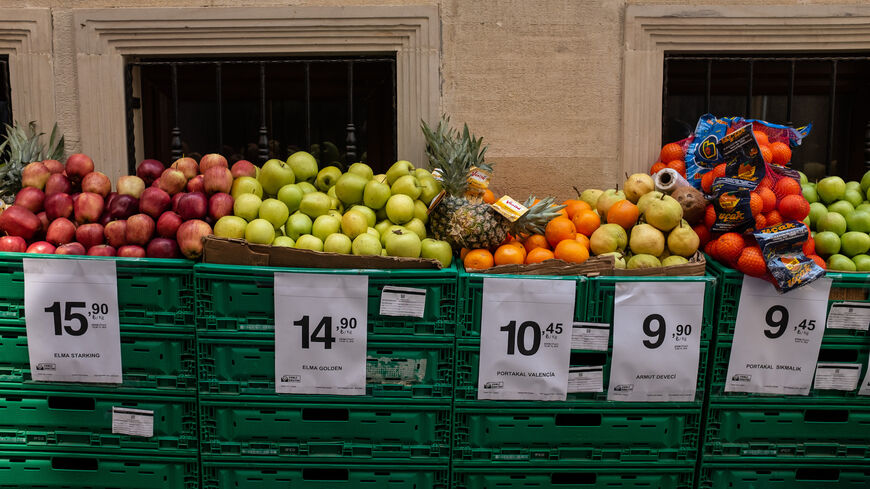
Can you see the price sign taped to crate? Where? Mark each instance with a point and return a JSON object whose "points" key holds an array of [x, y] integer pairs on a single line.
{"points": [[71, 311], [656, 341], [777, 338], [525, 339], [320, 333]]}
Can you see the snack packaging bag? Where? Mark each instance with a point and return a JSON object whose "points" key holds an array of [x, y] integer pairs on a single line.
{"points": [[781, 246]]}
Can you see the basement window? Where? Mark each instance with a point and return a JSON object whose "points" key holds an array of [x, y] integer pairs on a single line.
{"points": [[5, 97]]}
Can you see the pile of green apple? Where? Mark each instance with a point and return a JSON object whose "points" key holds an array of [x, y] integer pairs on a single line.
{"points": [[293, 203], [840, 221]]}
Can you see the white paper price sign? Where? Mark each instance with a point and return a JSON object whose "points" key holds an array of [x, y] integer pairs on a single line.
{"points": [[73, 331], [656, 341], [777, 338], [320, 333], [525, 339]]}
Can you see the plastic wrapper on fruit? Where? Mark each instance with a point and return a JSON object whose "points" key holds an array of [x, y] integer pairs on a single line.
{"points": [[782, 247]]}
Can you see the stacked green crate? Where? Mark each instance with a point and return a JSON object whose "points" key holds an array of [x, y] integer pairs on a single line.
{"points": [[817, 440], [397, 433], [586, 440], [59, 434]]}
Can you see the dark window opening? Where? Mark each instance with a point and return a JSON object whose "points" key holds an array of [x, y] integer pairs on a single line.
{"points": [[342, 110], [831, 91], [5, 97]]}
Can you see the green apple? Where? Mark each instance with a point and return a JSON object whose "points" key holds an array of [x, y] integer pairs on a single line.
{"points": [[803, 177], [817, 210], [335, 204], [285, 241], [324, 226], [374, 232], [417, 227], [403, 243], [291, 196], [326, 178], [309, 242], [304, 166], [832, 221], [429, 188], [842, 207], [362, 170], [862, 262], [246, 185], [354, 223], [366, 244], [376, 194], [865, 182], [840, 262], [809, 192], [400, 208], [260, 231], [335, 213], [382, 226], [337, 243], [854, 197], [297, 225], [274, 211], [247, 206], [827, 243], [858, 221], [408, 185], [853, 185], [422, 173], [831, 189], [370, 214], [437, 250], [854, 243], [274, 175], [381, 177], [381, 214], [315, 204], [399, 168], [230, 227], [421, 211], [306, 187], [349, 188], [865, 207], [389, 230]]}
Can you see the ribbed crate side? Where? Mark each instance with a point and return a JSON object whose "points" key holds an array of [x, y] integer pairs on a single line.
{"points": [[783, 476], [619, 476], [260, 475]]}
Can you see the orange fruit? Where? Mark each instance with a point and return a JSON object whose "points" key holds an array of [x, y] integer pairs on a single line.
{"points": [[573, 206], [516, 242], [819, 261], [536, 241], [760, 221], [488, 196], [765, 182], [729, 246], [571, 251], [766, 153], [463, 252], [509, 254], [707, 182], [761, 138], [624, 213], [558, 229], [671, 151], [581, 238], [787, 186], [794, 208], [538, 255], [809, 247], [702, 232], [755, 203], [751, 262], [773, 218], [710, 216], [586, 222], [479, 259], [768, 198], [719, 171], [781, 153], [678, 165], [657, 167], [710, 248]]}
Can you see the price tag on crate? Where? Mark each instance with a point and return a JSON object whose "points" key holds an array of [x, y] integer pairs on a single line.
{"points": [[320, 333], [656, 341], [864, 390], [525, 339], [777, 338], [71, 311]]}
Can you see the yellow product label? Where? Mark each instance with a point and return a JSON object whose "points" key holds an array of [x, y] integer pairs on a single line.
{"points": [[509, 208], [435, 201], [479, 179], [436, 174]]}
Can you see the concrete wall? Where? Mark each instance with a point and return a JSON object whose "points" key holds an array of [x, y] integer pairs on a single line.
{"points": [[539, 79]]}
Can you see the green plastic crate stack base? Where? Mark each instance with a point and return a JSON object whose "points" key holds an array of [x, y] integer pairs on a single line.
{"points": [[622, 476], [784, 476], [82, 470]]}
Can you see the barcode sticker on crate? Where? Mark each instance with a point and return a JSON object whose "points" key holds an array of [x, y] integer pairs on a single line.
{"points": [[134, 422], [849, 315], [837, 376], [403, 301], [590, 336], [586, 379]]}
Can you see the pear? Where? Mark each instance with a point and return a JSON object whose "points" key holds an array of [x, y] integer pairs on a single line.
{"points": [[664, 213], [647, 198], [608, 238], [643, 261], [646, 239], [590, 196], [637, 185], [618, 258], [683, 240], [674, 260], [607, 199]]}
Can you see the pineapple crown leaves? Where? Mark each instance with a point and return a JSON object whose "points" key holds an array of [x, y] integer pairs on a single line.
{"points": [[24, 145], [538, 215], [455, 153]]}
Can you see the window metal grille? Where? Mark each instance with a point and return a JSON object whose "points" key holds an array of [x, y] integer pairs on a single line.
{"points": [[5, 96], [257, 109]]}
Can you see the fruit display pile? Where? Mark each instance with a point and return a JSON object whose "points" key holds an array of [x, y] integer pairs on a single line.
{"points": [[839, 216]]}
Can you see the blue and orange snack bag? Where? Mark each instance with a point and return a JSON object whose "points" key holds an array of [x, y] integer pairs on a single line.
{"points": [[781, 246]]}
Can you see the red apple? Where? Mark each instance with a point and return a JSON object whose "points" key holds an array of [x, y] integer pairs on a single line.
{"points": [[101, 250], [31, 198], [196, 184], [116, 233], [77, 166], [41, 247], [131, 185], [35, 175], [218, 179], [58, 205], [53, 166], [220, 205], [187, 166], [193, 206], [162, 248], [190, 235], [123, 206], [176, 199], [211, 160], [89, 235], [19, 221], [140, 229], [167, 224], [244, 168], [105, 218], [97, 183], [172, 181], [74, 248], [88, 207], [14, 244], [57, 183], [43, 226], [149, 170], [60, 231], [154, 202], [131, 251]]}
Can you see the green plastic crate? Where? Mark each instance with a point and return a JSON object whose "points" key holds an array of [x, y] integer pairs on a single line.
{"points": [[468, 361], [784, 476], [56, 470], [150, 291], [471, 300], [572, 436], [40, 420], [153, 359], [613, 477], [785, 431], [236, 298], [264, 475], [355, 432], [230, 365], [849, 287], [849, 353]]}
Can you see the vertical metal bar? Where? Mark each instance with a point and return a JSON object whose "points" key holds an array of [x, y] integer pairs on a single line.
{"points": [[707, 85], [128, 107], [867, 146], [7, 90], [790, 101], [307, 106], [218, 72], [395, 137], [665, 68], [749, 90], [263, 141], [832, 98], [350, 141], [175, 142]]}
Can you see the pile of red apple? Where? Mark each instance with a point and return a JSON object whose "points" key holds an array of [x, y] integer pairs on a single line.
{"points": [[158, 213]]}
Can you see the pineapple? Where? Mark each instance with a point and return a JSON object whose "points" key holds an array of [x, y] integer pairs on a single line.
{"points": [[23, 146], [468, 222]]}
